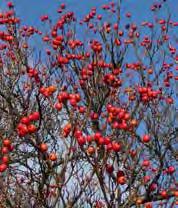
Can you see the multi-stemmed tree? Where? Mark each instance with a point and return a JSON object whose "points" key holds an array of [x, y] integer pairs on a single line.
{"points": [[90, 121]]}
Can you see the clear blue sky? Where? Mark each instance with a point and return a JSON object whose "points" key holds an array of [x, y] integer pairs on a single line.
{"points": [[30, 10]]}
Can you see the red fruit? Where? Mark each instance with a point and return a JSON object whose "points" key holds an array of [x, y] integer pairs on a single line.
{"points": [[153, 187], [99, 17], [171, 169], [6, 142], [146, 179], [176, 193], [109, 147], [25, 120], [77, 97], [11, 147], [116, 147], [42, 90], [128, 14], [120, 173], [169, 100], [133, 153], [67, 129], [63, 6], [164, 194], [146, 138], [107, 140], [53, 156], [94, 116], [146, 163], [121, 180], [73, 102], [90, 150], [22, 128], [126, 116], [43, 147], [120, 33], [65, 95], [31, 128], [5, 159], [81, 140], [89, 138], [58, 106], [97, 136], [99, 204], [109, 168], [30, 117], [115, 125], [148, 205], [62, 60], [82, 109], [34, 116], [10, 4], [4, 150], [121, 115], [77, 133], [101, 141], [3, 167], [123, 125], [115, 26], [22, 133]]}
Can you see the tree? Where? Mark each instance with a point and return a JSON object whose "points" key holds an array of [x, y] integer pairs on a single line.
{"points": [[90, 122]]}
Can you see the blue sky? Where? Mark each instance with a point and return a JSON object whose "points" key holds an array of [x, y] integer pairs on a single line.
{"points": [[30, 11]]}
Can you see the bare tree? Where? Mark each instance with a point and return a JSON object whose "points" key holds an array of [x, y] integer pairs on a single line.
{"points": [[89, 121]]}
